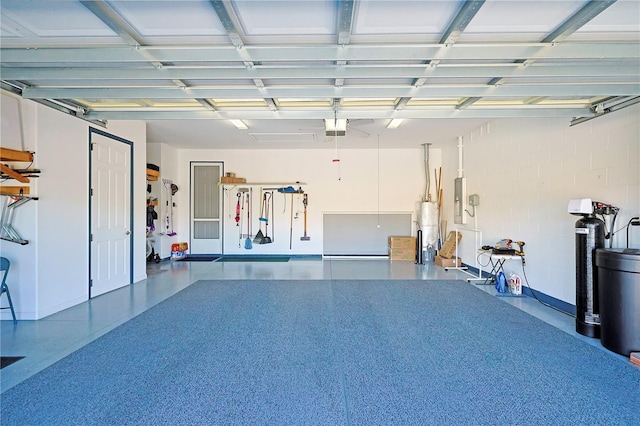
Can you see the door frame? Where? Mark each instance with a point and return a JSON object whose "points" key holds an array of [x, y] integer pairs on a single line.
{"points": [[93, 131], [222, 200]]}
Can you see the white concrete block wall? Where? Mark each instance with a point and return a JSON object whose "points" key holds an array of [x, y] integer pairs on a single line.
{"points": [[526, 171], [396, 185]]}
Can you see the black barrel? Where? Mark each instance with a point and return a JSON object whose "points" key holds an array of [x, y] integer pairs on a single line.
{"points": [[419, 252], [619, 294], [589, 237]]}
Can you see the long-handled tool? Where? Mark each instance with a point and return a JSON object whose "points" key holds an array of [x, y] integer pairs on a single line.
{"points": [[267, 201], [239, 219], [259, 238], [291, 224], [247, 243], [238, 210], [171, 190], [305, 201]]}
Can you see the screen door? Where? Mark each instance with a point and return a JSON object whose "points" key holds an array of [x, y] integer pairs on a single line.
{"points": [[206, 208]]}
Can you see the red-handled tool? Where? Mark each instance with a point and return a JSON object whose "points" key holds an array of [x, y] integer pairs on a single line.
{"points": [[238, 210]]}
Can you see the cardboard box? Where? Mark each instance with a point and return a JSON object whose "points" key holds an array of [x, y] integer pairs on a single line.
{"points": [[228, 179], [448, 249], [402, 243], [448, 263], [402, 254]]}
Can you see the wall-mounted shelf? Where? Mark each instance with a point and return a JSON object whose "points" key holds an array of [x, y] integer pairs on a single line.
{"points": [[7, 154], [268, 184], [14, 190]]}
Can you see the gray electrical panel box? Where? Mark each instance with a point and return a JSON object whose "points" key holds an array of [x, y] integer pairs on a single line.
{"points": [[460, 201]]}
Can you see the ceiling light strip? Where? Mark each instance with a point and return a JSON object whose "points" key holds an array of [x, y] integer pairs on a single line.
{"points": [[395, 123], [239, 124]]}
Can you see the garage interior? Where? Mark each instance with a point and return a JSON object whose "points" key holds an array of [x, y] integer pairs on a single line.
{"points": [[330, 122]]}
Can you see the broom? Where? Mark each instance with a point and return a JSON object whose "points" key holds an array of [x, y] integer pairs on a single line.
{"points": [[259, 238]]}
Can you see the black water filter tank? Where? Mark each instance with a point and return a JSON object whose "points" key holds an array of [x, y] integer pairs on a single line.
{"points": [[619, 289], [589, 237]]}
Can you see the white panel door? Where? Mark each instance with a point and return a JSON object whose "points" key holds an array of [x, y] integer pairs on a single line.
{"points": [[110, 214], [206, 208]]}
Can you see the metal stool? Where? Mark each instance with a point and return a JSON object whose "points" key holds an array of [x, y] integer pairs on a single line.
{"points": [[4, 266]]}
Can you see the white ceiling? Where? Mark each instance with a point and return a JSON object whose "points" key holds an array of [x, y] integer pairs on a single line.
{"points": [[445, 66]]}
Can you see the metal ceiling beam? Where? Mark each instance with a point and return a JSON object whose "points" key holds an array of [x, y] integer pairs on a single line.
{"points": [[578, 20], [67, 108], [103, 11], [235, 37], [353, 114], [345, 19], [459, 23], [589, 11], [610, 50], [227, 23], [271, 103], [616, 69], [606, 109], [205, 103], [401, 104], [110, 18], [323, 92], [467, 102]]}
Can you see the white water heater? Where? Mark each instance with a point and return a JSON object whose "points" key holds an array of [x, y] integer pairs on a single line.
{"points": [[428, 223]]}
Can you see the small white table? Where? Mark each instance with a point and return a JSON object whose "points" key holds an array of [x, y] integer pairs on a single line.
{"points": [[497, 265]]}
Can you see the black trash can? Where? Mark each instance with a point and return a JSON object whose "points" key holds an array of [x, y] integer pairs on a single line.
{"points": [[619, 294]]}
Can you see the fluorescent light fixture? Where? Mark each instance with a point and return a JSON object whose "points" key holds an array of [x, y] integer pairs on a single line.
{"points": [[337, 127], [394, 123], [239, 124]]}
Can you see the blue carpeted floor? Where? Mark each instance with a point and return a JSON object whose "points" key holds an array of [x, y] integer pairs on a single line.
{"points": [[331, 353]]}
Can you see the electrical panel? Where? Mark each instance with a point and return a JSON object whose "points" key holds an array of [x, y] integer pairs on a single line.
{"points": [[460, 201]]}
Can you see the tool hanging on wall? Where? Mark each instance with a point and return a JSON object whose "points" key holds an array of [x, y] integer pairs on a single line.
{"points": [[267, 201], [305, 202], [238, 209], [290, 190], [247, 242], [240, 215], [171, 190], [259, 238], [291, 225], [227, 193]]}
